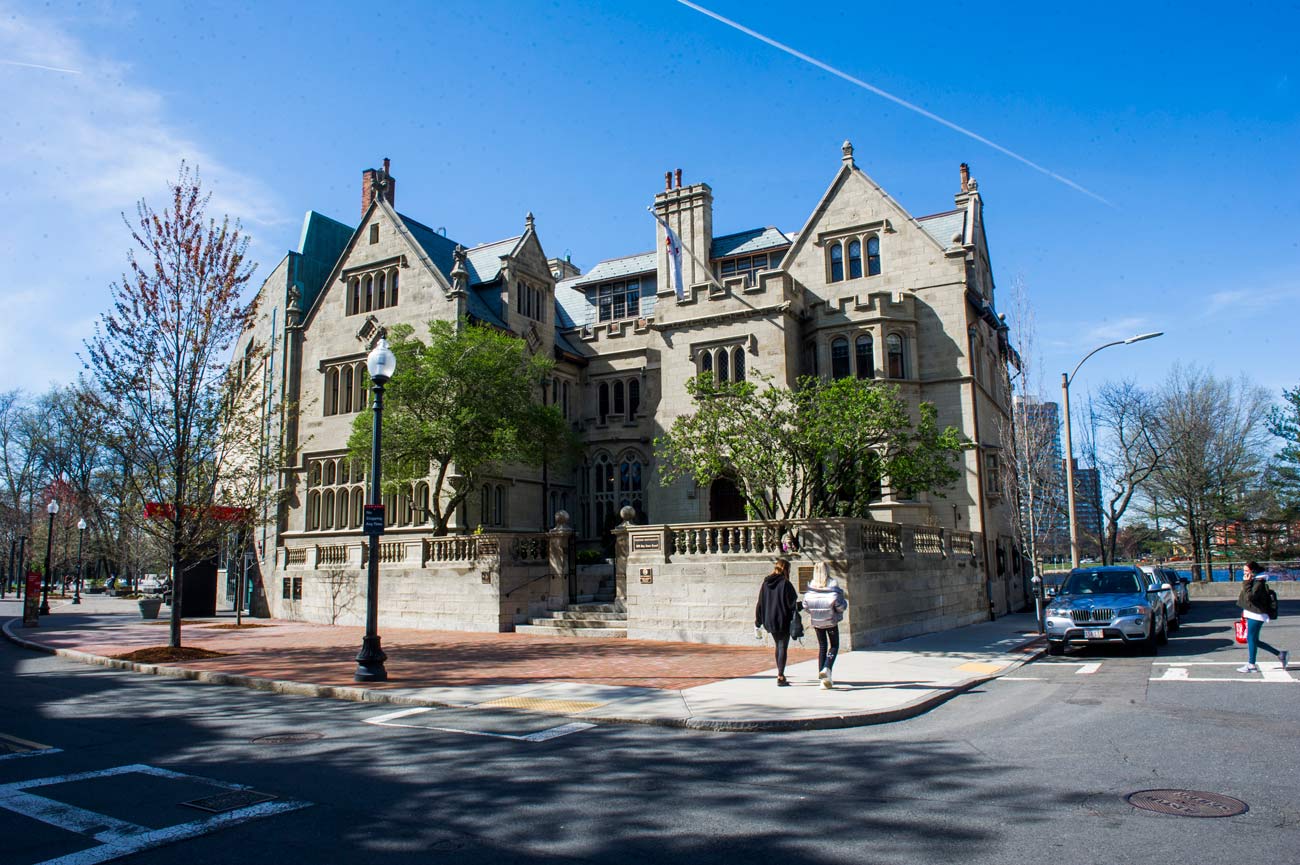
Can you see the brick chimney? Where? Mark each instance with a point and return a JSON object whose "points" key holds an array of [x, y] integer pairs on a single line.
{"points": [[965, 177], [380, 180]]}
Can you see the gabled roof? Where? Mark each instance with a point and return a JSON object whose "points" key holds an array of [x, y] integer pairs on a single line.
{"points": [[742, 242], [484, 262], [322, 242], [437, 246], [616, 268], [942, 226]]}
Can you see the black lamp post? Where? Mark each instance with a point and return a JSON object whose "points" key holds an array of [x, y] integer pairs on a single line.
{"points": [[52, 508], [370, 660], [81, 534]]}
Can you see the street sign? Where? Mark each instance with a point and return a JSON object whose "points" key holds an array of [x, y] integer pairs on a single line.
{"points": [[32, 601], [373, 523]]}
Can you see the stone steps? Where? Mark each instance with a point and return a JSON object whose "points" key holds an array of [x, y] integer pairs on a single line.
{"points": [[559, 629], [599, 618]]}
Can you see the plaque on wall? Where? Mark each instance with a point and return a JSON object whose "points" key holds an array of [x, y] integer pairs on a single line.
{"points": [[645, 542], [647, 575], [805, 577]]}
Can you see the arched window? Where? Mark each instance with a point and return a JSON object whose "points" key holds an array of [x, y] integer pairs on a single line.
{"points": [[380, 285], [327, 510], [345, 469], [855, 259], [897, 363], [332, 391], [873, 256], [313, 474], [865, 350], [620, 408], [484, 506], [737, 364], [392, 289], [329, 474], [341, 510], [358, 506], [603, 401], [370, 293], [706, 362], [837, 262], [422, 503], [349, 396], [362, 377], [313, 511], [839, 357], [633, 397], [354, 296], [499, 507], [723, 365]]}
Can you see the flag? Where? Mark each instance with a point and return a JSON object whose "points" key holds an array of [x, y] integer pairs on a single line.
{"points": [[674, 245]]}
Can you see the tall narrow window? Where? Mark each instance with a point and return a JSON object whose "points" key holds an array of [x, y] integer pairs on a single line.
{"points": [[362, 377], [370, 293], [837, 262], [332, 391], [738, 364], [855, 259], [633, 397], [620, 408], [374, 234], [499, 507], [839, 357], [354, 297], [865, 350], [873, 256], [897, 366], [380, 281], [706, 362], [485, 515], [564, 391], [348, 397], [603, 401], [392, 290], [723, 365], [327, 510]]}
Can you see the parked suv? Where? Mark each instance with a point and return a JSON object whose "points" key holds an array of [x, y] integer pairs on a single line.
{"points": [[1161, 574], [1107, 604]]}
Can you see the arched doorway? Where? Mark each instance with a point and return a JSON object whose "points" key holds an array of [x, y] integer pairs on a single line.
{"points": [[725, 503]]}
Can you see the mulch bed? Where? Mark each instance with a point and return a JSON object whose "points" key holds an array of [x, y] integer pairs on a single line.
{"points": [[168, 654]]}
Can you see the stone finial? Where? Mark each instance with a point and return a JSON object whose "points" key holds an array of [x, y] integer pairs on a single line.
{"points": [[627, 514], [972, 185], [847, 149], [562, 521], [293, 310], [459, 272], [529, 221]]}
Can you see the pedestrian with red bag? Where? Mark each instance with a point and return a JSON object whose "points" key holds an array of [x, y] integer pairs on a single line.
{"points": [[1257, 606]]}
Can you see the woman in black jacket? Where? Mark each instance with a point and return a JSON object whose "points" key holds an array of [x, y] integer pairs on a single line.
{"points": [[1255, 606], [778, 604]]}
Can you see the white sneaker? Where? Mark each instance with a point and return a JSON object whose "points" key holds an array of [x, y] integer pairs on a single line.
{"points": [[823, 674], [827, 684], [1248, 668]]}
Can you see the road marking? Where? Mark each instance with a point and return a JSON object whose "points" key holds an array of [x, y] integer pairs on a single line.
{"points": [[1181, 671], [1174, 673], [1087, 669], [540, 736], [12, 747], [1022, 679], [120, 838]]}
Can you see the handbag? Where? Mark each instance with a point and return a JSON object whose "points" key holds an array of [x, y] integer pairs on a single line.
{"points": [[796, 627], [1239, 630]]}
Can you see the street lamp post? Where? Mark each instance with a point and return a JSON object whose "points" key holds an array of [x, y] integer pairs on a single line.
{"points": [[370, 660], [81, 534], [52, 508], [1069, 449]]}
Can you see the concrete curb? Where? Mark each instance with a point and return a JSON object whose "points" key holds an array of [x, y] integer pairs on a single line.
{"points": [[916, 707]]}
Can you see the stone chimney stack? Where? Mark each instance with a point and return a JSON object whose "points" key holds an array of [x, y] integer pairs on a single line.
{"points": [[689, 211], [965, 177], [377, 181]]}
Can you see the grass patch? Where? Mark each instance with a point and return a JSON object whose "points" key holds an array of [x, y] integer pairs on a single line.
{"points": [[168, 654]]}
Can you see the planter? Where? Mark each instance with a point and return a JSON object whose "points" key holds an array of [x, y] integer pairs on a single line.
{"points": [[149, 607]]}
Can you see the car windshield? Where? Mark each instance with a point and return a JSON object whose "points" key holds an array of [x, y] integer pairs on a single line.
{"points": [[1102, 583]]}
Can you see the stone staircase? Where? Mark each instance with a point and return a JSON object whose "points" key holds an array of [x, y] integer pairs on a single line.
{"points": [[595, 616]]}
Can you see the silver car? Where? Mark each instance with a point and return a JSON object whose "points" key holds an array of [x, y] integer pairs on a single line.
{"points": [[1177, 601], [1107, 604]]}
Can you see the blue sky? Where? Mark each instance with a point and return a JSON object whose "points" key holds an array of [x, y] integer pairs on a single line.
{"points": [[1183, 117]]}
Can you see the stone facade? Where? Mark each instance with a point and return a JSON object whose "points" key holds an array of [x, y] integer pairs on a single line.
{"points": [[862, 288]]}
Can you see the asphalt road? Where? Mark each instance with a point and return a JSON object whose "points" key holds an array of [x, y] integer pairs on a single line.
{"points": [[1031, 768]]}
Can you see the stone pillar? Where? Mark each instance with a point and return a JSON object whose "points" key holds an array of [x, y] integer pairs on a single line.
{"points": [[622, 547], [562, 562]]}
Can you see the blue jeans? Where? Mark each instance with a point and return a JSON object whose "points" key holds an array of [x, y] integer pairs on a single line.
{"points": [[1253, 642]]}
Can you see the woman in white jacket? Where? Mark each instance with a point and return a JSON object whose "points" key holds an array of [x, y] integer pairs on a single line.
{"points": [[825, 603]]}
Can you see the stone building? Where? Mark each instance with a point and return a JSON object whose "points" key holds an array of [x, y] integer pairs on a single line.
{"points": [[862, 288]]}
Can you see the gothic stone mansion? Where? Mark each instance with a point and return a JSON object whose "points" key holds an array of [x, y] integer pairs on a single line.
{"points": [[863, 288]]}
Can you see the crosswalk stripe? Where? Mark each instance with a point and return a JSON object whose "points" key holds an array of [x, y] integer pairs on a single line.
{"points": [[1087, 669]]}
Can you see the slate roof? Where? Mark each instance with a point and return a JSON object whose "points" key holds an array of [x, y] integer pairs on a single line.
{"points": [[942, 226], [616, 268], [753, 240], [575, 308], [484, 262], [438, 247]]}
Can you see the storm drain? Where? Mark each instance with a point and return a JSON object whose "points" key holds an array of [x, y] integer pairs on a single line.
{"points": [[229, 801], [1187, 803], [287, 738]]}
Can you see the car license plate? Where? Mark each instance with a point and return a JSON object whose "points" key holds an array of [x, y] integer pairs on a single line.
{"points": [[1094, 634]]}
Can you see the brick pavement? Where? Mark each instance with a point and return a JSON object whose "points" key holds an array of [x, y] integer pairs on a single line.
{"points": [[325, 655]]}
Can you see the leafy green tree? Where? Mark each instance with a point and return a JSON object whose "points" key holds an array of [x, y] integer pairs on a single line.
{"points": [[1284, 422], [821, 449], [458, 404]]}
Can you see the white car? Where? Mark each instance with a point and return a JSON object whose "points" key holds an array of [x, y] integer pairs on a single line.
{"points": [[150, 584], [1166, 581]]}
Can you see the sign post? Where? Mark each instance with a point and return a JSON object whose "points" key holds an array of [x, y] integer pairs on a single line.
{"points": [[373, 523], [32, 601]]}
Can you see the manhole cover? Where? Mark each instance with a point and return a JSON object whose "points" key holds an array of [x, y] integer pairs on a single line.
{"points": [[1187, 803], [287, 738], [229, 801]]}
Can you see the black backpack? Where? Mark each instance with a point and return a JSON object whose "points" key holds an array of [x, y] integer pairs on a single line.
{"points": [[1272, 604]]}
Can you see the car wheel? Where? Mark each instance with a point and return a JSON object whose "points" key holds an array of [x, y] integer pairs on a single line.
{"points": [[1162, 635], [1056, 647], [1149, 643]]}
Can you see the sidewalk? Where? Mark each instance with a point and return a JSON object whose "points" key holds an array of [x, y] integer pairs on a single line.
{"points": [[613, 681]]}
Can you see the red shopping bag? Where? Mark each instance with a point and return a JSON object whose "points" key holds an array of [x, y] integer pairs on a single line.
{"points": [[1239, 630]]}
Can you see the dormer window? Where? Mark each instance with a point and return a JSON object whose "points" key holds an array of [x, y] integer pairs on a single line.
{"points": [[851, 248], [747, 266], [368, 292], [619, 300]]}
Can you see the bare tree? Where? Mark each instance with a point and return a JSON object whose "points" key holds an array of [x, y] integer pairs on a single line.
{"points": [[1215, 439], [158, 360]]}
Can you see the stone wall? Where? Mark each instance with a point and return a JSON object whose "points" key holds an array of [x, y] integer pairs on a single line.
{"points": [[699, 582]]}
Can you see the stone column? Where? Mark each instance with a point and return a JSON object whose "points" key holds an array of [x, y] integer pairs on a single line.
{"points": [[562, 563]]}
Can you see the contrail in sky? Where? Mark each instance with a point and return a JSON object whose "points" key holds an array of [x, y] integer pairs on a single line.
{"points": [[892, 98], [39, 66]]}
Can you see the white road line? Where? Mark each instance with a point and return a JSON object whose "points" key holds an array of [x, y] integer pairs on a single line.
{"points": [[1174, 673], [42, 752], [1224, 679], [540, 736], [1278, 675], [1087, 669], [120, 837]]}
